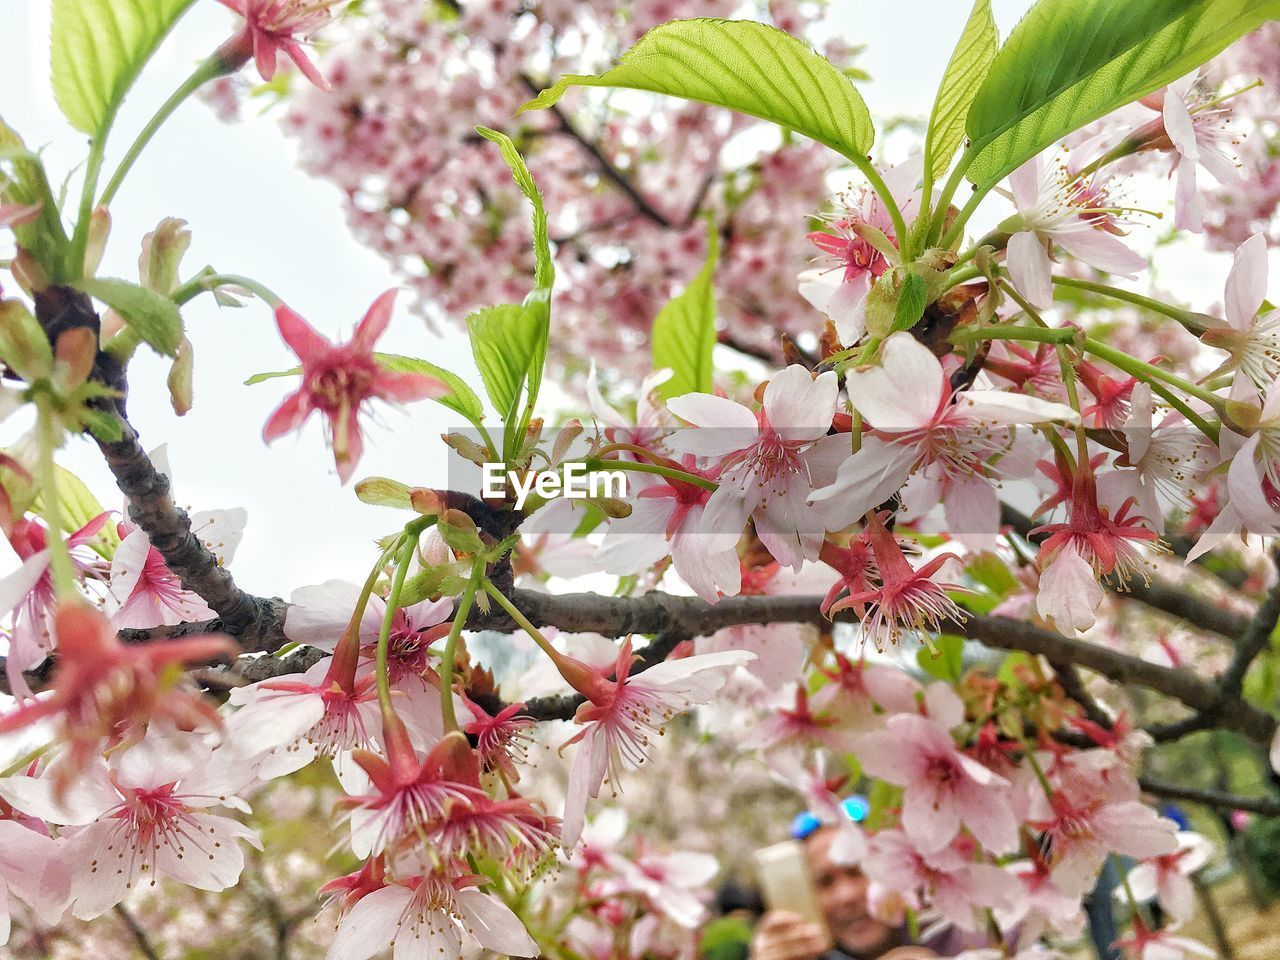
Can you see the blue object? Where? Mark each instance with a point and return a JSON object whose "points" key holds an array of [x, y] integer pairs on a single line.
{"points": [[804, 824]]}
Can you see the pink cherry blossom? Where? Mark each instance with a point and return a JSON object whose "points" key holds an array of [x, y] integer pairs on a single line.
{"points": [[31, 869], [140, 817], [916, 419], [943, 789], [623, 714], [850, 262], [1196, 126], [339, 380], [104, 691], [1167, 878], [1252, 340], [1082, 831], [1145, 944], [769, 461], [273, 27], [948, 880], [27, 593], [430, 917], [1057, 206], [668, 518]]}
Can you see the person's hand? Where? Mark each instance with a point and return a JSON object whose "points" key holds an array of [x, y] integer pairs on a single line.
{"points": [[787, 936], [909, 953]]}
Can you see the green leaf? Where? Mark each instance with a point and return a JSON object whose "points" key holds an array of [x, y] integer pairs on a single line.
{"points": [[746, 66], [684, 331], [964, 75], [1070, 62], [383, 492], [912, 299], [461, 398], [275, 374], [99, 46], [544, 272], [431, 583], [506, 340], [153, 316], [77, 506], [948, 664]]}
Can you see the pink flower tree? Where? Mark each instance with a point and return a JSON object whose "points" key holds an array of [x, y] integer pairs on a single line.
{"points": [[960, 495]]}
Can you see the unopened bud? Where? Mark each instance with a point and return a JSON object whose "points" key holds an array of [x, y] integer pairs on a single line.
{"points": [[181, 378], [99, 231], [24, 348], [75, 352], [162, 251], [29, 274], [426, 501]]}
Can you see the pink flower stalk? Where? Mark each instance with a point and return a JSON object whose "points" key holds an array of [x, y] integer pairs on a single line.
{"points": [[769, 461], [623, 715], [27, 593], [1253, 341], [105, 692], [667, 519], [917, 420], [1195, 124], [1145, 944], [273, 27], [1057, 206], [906, 600], [1167, 878], [943, 789], [425, 917], [140, 817], [850, 263], [339, 380]]}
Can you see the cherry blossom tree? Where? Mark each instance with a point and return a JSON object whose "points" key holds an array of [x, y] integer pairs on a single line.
{"points": [[988, 539]]}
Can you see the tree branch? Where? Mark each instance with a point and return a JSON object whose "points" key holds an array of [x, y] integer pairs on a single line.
{"points": [[135, 929], [1266, 806]]}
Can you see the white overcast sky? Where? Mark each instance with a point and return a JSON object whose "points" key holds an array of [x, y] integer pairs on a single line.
{"points": [[252, 212]]}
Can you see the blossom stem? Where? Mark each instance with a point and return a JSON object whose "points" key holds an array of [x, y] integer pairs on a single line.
{"points": [[1014, 331], [1192, 321], [407, 545], [957, 226], [1147, 372], [1134, 907], [346, 653], [521, 620], [948, 191], [210, 69], [477, 581], [63, 573], [207, 279], [671, 473], [25, 760], [1210, 430]]}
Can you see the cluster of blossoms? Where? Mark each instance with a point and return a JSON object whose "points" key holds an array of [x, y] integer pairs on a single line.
{"points": [[865, 499], [394, 129]]}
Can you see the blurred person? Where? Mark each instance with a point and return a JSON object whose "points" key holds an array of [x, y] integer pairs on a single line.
{"points": [[842, 898]]}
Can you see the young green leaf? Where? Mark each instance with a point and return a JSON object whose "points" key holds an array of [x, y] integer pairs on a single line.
{"points": [[23, 182], [684, 331], [384, 492], [912, 299], [949, 662], [99, 47], [154, 317], [1070, 62], [544, 271], [968, 67], [505, 341], [274, 374], [77, 506], [746, 66], [461, 398]]}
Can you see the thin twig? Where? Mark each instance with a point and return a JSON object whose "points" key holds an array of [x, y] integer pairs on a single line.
{"points": [[139, 935]]}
